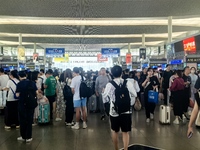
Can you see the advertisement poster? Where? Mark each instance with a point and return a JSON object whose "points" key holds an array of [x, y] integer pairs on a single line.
{"points": [[21, 53], [189, 45], [35, 57], [128, 58], [101, 59], [110, 52], [142, 52], [55, 52]]}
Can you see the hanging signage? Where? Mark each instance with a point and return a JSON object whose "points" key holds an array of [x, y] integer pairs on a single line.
{"points": [[55, 52], [101, 59], [128, 58], [189, 45], [62, 59], [142, 53], [110, 52], [35, 57], [176, 62], [192, 60], [21, 53]]}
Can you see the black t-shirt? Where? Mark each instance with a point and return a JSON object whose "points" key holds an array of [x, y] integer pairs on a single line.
{"points": [[197, 84], [166, 76], [153, 82], [22, 88], [187, 78]]}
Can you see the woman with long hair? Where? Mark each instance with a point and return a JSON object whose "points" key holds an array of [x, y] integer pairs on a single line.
{"points": [[11, 117], [69, 110], [177, 86]]}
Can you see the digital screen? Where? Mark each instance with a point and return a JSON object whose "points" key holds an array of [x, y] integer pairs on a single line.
{"points": [[189, 45], [178, 46], [145, 65]]}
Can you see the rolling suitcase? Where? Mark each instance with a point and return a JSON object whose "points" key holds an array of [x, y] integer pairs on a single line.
{"points": [[44, 113], [164, 112], [93, 103]]}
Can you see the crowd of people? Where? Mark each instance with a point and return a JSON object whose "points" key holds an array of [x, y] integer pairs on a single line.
{"points": [[177, 87]]}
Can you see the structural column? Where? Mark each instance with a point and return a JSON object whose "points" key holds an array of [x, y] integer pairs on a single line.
{"points": [[34, 47], [143, 40], [169, 35], [20, 39]]}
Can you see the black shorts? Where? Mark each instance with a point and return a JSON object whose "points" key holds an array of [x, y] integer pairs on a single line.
{"points": [[122, 122], [51, 98]]}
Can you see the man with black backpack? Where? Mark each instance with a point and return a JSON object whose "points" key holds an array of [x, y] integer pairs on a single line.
{"points": [[79, 89], [118, 93]]}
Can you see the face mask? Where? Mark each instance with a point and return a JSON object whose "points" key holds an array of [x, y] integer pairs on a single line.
{"points": [[192, 71]]}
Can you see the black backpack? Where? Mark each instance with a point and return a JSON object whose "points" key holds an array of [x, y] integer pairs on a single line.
{"points": [[122, 98], [31, 98], [42, 85], [67, 92], [84, 90]]}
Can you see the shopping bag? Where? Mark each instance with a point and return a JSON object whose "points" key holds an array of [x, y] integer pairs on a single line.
{"points": [[153, 96]]}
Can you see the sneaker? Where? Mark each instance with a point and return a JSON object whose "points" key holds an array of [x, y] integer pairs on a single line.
{"points": [[69, 124], [34, 124], [184, 119], [151, 116], [176, 121], [148, 120], [29, 140], [20, 139], [7, 127], [17, 127], [103, 117], [84, 125], [58, 119], [76, 126], [187, 118]]}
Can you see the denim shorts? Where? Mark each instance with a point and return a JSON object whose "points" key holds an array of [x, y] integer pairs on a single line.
{"points": [[80, 103]]}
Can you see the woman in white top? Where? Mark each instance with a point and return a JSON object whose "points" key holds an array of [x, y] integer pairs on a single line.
{"points": [[11, 113]]}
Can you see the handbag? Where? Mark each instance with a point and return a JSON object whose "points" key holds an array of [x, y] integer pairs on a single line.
{"points": [[137, 105], [153, 96]]}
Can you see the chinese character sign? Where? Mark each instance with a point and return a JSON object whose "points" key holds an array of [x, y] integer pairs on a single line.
{"points": [[143, 53], [128, 58], [55, 52], [189, 45]]}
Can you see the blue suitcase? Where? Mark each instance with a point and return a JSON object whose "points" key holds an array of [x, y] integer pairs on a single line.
{"points": [[44, 113]]}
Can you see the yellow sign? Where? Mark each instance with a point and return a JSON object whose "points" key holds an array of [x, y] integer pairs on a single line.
{"points": [[62, 59], [21, 53]]}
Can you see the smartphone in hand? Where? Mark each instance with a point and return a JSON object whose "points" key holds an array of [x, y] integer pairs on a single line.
{"points": [[190, 135]]}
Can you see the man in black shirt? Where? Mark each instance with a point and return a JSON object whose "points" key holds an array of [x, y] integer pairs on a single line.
{"points": [[165, 81], [126, 74]]}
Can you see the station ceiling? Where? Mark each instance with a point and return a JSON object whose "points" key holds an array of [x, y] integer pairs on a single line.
{"points": [[93, 24]]}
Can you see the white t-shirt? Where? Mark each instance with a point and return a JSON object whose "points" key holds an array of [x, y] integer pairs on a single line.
{"points": [[76, 82], [137, 89], [10, 85], [3, 80], [110, 92]]}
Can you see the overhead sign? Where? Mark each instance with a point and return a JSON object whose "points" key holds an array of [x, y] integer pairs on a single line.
{"points": [[189, 45], [62, 59], [110, 52], [55, 52], [128, 58], [176, 62], [101, 59], [142, 53], [192, 60]]}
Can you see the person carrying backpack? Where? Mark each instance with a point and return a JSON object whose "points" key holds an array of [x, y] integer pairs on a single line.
{"points": [[26, 91], [118, 92]]}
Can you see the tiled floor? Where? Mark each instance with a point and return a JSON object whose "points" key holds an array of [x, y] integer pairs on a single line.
{"points": [[97, 136]]}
